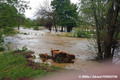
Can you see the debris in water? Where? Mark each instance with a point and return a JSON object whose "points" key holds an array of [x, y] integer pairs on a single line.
{"points": [[59, 57]]}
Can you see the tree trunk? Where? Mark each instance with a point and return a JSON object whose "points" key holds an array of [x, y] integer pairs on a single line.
{"points": [[107, 47], [100, 54], [107, 55], [111, 20], [18, 27], [62, 29], [55, 28], [69, 28]]}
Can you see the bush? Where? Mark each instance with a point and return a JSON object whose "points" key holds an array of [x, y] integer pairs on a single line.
{"points": [[24, 48], [10, 32], [2, 49], [119, 36], [1, 37], [81, 33], [36, 28], [1, 42]]}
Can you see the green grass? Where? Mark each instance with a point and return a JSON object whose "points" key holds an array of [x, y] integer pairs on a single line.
{"points": [[14, 66]]}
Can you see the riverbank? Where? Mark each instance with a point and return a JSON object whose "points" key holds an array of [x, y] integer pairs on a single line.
{"points": [[16, 65]]}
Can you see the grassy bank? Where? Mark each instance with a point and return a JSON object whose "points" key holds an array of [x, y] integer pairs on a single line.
{"points": [[14, 66]]}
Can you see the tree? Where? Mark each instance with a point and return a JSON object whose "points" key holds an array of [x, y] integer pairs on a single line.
{"points": [[21, 6], [45, 13], [104, 13], [11, 12], [7, 16], [29, 23], [66, 12]]}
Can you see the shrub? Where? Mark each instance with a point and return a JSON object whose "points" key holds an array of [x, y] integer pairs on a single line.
{"points": [[1, 37], [24, 48], [10, 32], [81, 33], [36, 28], [2, 49], [119, 36]]}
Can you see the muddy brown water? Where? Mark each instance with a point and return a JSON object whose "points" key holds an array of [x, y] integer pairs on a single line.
{"points": [[43, 41]]}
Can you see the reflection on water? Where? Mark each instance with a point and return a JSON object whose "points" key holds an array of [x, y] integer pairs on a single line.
{"points": [[42, 42]]}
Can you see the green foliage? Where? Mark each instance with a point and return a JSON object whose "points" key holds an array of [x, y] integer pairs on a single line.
{"points": [[2, 49], [11, 13], [24, 33], [88, 8], [8, 46], [20, 19], [81, 33], [28, 23], [66, 12], [103, 14], [14, 66], [40, 21], [3, 46], [24, 48], [1, 42], [119, 36], [36, 28], [1, 37], [7, 16], [9, 31]]}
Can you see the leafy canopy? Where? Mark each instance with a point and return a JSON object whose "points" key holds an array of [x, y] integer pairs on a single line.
{"points": [[66, 12]]}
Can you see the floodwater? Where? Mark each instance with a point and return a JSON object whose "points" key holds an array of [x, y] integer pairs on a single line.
{"points": [[43, 41]]}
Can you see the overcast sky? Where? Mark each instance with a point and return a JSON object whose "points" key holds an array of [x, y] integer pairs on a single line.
{"points": [[34, 3]]}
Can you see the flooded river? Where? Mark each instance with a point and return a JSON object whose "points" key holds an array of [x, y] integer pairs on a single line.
{"points": [[43, 41]]}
